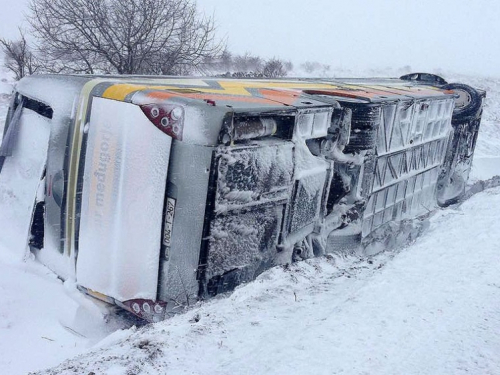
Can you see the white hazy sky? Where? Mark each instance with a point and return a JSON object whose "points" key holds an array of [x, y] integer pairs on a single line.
{"points": [[452, 35]]}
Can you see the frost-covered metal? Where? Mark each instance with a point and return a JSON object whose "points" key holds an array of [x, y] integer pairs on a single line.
{"points": [[411, 147], [159, 192], [253, 186], [120, 219], [21, 177]]}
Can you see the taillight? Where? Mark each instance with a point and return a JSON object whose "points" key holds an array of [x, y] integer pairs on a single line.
{"points": [[146, 309], [168, 118]]}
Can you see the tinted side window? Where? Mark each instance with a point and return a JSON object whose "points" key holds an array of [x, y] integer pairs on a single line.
{"points": [[40, 108]]}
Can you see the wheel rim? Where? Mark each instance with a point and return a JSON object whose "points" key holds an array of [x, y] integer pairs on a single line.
{"points": [[463, 100]]}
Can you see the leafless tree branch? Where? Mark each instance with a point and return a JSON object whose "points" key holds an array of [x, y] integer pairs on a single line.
{"points": [[18, 57], [123, 36]]}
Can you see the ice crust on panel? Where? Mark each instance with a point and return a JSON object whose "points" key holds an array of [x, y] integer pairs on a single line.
{"points": [[121, 218], [411, 147], [20, 180], [253, 184]]}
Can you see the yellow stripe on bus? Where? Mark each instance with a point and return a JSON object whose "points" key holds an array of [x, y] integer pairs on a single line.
{"points": [[239, 88]]}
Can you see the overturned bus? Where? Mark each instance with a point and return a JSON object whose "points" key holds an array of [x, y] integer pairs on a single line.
{"points": [[152, 192]]}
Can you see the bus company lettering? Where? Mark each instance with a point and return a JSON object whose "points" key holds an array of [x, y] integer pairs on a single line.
{"points": [[102, 167]]}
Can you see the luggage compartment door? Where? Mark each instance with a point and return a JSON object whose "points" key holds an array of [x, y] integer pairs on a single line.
{"points": [[123, 192]]}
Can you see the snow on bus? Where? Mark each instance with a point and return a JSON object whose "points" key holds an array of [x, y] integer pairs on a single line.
{"points": [[153, 194]]}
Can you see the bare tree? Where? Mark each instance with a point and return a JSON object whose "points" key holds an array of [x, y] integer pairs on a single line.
{"points": [[288, 65], [248, 63], [123, 36], [18, 57], [246, 66], [274, 68], [314, 66], [226, 60]]}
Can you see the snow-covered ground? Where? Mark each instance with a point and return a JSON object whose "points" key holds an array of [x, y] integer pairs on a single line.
{"points": [[430, 308], [5, 91]]}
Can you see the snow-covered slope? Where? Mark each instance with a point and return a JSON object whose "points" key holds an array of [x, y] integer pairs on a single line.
{"points": [[6, 85], [33, 315], [430, 308]]}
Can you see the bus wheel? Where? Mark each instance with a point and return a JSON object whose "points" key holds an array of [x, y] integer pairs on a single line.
{"points": [[468, 102]]}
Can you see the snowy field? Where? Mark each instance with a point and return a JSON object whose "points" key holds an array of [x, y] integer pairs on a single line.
{"points": [[430, 308], [5, 90]]}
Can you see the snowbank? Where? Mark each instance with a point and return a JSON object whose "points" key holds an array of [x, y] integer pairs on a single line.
{"points": [[6, 86], [430, 309], [33, 313]]}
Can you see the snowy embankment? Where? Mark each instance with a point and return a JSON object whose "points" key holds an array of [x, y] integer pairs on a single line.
{"points": [[430, 308], [5, 91]]}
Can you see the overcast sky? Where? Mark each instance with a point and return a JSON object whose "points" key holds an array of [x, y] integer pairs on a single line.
{"points": [[452, 35]]}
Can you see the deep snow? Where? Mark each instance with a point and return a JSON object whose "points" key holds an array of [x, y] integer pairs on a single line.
{"points": [[429, 308], [432, 308]]}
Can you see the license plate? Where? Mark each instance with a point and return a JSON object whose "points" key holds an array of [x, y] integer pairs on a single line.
{"points": [[169, 222]]}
